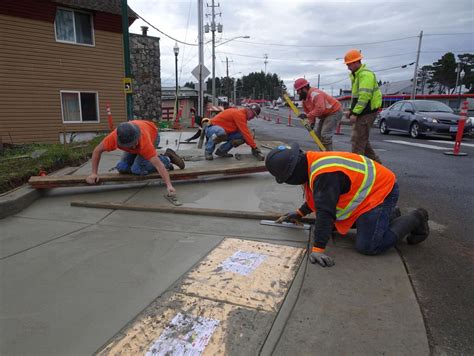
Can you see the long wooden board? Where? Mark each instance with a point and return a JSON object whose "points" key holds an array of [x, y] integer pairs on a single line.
{"points": [[258, 215], [188, 173]]}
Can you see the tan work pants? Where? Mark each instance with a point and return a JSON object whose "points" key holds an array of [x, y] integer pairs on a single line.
{"points": [[360, 136]]}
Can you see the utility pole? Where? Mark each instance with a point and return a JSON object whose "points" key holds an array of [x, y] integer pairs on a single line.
{"points": [[227, 88], [415, 75], [213, 30], [265, 56], [318, 80], [201, 59]]}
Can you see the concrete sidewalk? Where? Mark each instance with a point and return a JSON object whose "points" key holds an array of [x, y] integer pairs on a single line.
{"points": [[75, 281]]}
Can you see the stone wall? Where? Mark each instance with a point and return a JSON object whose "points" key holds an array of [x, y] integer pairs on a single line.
{"points": [[145, 67]]}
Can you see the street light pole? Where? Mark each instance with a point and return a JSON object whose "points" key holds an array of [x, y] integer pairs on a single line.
{"points": [[176, 52]]}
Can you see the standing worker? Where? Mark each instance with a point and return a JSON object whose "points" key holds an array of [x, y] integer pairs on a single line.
{"points": [[318, 104], [138, 138], [345, 190], [366, 101], [230, 126]]}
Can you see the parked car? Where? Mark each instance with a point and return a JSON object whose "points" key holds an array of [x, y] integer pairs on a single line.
{"points": [[421, 117]]}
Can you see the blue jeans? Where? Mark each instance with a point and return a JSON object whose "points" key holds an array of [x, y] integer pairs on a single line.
{"points": [[217, 130], [373, 233], [136, 164]]}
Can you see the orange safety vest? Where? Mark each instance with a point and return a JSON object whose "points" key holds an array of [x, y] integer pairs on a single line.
{"points": [[370, 184]]}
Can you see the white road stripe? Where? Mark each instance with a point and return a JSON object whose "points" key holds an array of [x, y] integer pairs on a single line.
{"points": [[417, 145], [452, 143]]}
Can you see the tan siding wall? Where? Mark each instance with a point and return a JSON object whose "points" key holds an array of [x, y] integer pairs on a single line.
{"points": [[33, 70]]}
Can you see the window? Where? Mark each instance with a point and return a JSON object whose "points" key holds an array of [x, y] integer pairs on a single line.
{"points": [[408, 107], [73, 26], [79, 106], [396, 106]]}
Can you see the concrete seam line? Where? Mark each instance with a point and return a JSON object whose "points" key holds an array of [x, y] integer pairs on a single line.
{"points": [[44, 242]]}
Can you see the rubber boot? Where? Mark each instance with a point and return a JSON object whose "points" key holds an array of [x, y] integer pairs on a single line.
{"points": [[408, 225], [221, 153], [396, 213], [237, 142], [420, 233], [219, 138], [174, 158]]}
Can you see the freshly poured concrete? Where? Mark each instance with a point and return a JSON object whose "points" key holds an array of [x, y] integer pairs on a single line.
{"points": [[71, 278]]}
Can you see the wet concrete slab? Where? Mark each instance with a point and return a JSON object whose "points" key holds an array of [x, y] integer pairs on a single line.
{"points": [[69, 296]]}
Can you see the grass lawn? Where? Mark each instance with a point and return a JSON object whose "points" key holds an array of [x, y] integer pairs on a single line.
{"points": [[19, 163]]}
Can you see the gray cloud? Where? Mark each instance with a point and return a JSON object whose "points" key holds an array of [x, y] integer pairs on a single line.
{"points": [[280, 28]]}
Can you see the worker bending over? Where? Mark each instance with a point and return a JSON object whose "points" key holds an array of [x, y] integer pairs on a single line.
{"points": [[318, 104], [230, 126], [345, 190], [139, 139]]}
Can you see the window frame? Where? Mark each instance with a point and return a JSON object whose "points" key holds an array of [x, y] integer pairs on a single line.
{"points": [[78, 92], [74, 27]]}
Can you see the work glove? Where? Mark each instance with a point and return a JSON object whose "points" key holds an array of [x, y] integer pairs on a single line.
{"points": [[321, 259], [258, 154], [302, 116], [292, 217]]}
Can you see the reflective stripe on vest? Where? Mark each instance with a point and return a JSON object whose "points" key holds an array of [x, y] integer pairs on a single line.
{"points": [[367, 168]]}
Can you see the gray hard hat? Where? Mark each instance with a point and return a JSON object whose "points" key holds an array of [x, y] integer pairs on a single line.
{"points": [[255, 108], [127, 134], [282, 160]]}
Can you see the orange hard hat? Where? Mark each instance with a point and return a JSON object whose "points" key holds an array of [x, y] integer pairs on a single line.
{"points": [[352, 55], [300, 83]]}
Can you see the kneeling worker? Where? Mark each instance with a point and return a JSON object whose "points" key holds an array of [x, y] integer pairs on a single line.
{"points": [[230, 126], [345, 190], [138, 138]]}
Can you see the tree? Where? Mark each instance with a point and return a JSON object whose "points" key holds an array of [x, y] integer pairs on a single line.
{"points": [[467, 64], [444, 74], [189, 85]]}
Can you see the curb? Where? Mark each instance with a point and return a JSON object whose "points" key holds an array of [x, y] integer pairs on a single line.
{"points": [[20, 198], [17, 200]]}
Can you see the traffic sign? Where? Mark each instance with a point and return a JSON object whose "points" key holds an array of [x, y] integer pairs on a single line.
{"points": [[127, 85], [205, 72]]}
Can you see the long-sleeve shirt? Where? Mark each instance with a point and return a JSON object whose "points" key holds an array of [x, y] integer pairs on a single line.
{"points": [[327, 189], [146, 143], [233, 120], [319, 104]]}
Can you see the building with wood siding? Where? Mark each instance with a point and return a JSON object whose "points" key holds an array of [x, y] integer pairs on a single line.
{"points": [[61, 62]]}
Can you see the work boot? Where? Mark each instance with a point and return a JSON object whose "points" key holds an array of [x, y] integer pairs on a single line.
{"points": [[415, 225], [237, 142], [421, 232], [221, 153], [174, 158], [219, 138], [208, 156], [396, 213]]}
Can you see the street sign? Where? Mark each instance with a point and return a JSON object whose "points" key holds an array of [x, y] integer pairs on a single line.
{"points": [[127, 85], [205, 72]]}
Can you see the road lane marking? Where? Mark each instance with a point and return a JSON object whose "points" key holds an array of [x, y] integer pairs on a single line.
{"points": [[432, 147], [452, 143]]}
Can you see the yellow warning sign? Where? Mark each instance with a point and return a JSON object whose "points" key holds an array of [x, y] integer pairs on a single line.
{"points": [[127, 85]]}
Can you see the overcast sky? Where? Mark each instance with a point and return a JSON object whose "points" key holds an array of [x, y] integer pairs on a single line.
{"points": [[307, 38]]}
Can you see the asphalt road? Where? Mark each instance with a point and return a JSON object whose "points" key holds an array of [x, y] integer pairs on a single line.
{"points": [[442, 268]]}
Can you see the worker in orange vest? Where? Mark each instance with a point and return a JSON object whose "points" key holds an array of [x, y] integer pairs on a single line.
{"points": [[230, 126], [319, 105], [345, 190], [139, 139]]}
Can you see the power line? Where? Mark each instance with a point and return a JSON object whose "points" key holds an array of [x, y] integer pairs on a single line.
{"points": [[327, 46], [156, 28]]}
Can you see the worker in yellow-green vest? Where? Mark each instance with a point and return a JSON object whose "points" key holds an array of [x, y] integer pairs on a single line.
{"points": [[366, 102]]}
